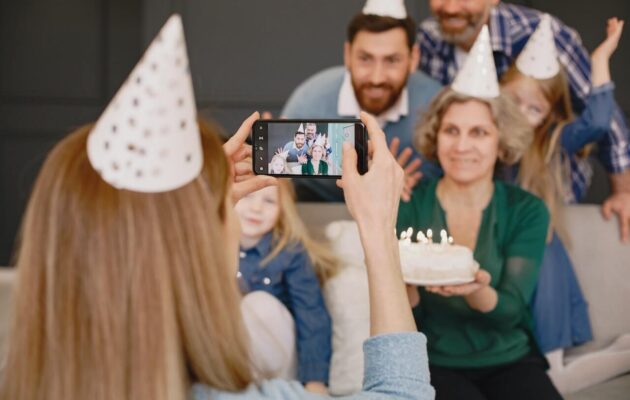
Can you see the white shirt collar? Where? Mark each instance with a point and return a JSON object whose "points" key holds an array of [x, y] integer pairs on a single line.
{"points": [[348, 104]]}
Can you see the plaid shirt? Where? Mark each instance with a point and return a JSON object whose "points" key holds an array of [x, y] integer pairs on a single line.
{"points": [[510, 29]]}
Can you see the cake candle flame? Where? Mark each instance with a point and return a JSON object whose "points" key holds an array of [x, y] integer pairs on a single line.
{"points": [[430, 235], [450, 240], [421, 238]]}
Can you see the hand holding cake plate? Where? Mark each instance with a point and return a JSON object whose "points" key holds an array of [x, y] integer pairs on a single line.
{"points": [[482, 279]]}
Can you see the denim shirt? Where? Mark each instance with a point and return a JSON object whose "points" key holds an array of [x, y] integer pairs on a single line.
{"points": [[591, 126], [291, 279]]}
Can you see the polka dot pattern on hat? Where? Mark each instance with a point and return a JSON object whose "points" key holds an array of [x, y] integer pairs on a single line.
{"points": [[147, 139], [539, 58]]}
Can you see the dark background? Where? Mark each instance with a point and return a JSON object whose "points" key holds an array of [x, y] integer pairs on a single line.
{"points": [[62, 60]]}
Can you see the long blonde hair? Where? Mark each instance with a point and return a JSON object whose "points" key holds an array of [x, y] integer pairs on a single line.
{"points": [[542, 170], [291, 231], [123, 295]]}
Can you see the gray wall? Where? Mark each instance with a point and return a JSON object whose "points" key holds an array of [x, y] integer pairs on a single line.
{"points": [[61, 60]]}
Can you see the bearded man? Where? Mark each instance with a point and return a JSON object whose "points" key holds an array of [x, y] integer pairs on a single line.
{"points": [[380, 76]]}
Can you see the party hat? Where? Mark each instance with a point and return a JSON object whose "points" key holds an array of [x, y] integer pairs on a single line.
{"points": [[147, 139], [386, 8], [539, 58], [478, 75]]}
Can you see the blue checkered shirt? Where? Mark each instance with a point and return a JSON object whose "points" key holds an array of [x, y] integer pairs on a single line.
{"points": [[510, 29]]}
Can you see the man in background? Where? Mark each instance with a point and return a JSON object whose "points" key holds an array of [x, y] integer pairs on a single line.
{"points": [[446, 38], [379, 76]]}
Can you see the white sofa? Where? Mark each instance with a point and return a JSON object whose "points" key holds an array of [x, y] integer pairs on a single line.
{"points": [[601, 262]]}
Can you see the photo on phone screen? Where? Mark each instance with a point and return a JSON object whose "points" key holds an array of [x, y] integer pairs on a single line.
{"points": [[305, 147]]}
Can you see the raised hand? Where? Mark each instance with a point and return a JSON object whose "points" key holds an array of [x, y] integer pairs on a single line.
{"points": [[600, 73], [619, 204], [373, 199], [239, 155], [411, 168], [614, 28]]}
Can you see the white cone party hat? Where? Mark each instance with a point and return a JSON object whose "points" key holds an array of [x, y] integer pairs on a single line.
{"points": [[478, 75], [147, 140], [386, 8], [539, 58], [301, 128]]}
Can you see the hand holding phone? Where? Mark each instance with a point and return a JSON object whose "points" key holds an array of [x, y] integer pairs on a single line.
{"points": [[306, 148]]}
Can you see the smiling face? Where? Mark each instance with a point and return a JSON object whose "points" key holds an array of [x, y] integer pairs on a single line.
{"points": [[468, 142], [379, 65], [310, 130], [530, 99], [317, 152], [299, 139], [277, 165], [258, 213], [461, 20]]}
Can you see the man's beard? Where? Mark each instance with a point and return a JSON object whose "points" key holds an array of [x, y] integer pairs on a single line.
{"points": [[382, 104], [467, 34]]}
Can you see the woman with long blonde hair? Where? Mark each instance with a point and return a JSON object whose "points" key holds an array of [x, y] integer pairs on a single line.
{"points": [[123, 294], [126, 269]]}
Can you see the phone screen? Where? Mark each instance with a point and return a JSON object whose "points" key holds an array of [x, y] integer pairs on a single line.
{"points": [[305, 147]]}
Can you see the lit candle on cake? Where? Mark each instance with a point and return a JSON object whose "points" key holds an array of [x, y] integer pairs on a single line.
{"points": [[450, 240], [430, 235], [443, 237], [421, 238]]}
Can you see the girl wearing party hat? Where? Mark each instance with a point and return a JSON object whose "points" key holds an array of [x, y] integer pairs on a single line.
{"points": [[555, 168], [480, 334]]}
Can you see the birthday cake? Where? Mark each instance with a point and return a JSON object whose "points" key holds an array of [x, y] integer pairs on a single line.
{"points": [[425, 262]]}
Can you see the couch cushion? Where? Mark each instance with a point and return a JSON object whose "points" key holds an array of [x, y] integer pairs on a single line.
{"points": [[614, 389], [602, 265], [348, 303]]}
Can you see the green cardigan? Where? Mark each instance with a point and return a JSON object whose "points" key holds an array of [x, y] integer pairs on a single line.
{"points": [[510, 246], [308, 169]]}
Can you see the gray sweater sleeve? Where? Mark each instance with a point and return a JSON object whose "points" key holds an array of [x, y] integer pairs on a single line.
{"points": [[396, 367]]}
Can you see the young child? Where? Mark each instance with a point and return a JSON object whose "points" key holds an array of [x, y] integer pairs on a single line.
{"points": [[556, 169], [278, 164], [279, 257], [562, 140]]}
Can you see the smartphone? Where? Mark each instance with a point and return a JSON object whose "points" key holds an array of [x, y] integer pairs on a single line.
{"points": [[306, 147]]}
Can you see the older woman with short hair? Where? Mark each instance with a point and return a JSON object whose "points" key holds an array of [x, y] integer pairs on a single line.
{"points": [[479, 334], [316, 165]]}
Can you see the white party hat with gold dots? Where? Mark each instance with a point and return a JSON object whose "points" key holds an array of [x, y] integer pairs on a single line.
{"points": [[539, 58], [147, 139]]}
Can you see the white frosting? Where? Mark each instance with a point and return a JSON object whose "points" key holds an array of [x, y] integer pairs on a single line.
{"points": [[434, 261]]}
